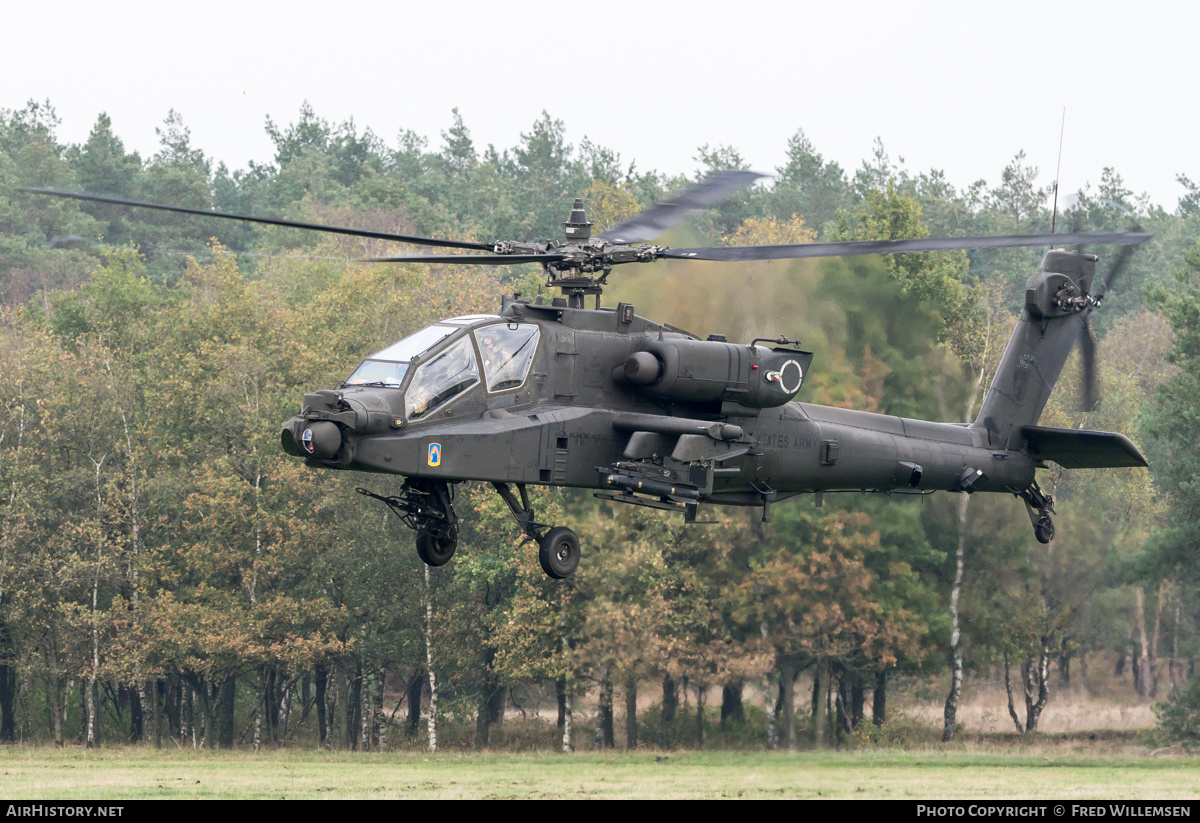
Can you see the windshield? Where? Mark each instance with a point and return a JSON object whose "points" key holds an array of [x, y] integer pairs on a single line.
{"points": [[378, 373], [387, 368], [447, 375], [414, 344]]}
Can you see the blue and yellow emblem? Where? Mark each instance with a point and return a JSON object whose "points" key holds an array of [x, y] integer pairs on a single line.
{"points": [[435, 454]]}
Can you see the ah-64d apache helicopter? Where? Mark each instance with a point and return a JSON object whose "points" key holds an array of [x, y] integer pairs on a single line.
{"points": [[556, 394]]}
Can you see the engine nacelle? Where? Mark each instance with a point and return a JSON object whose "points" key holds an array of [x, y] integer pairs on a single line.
{"points": [[706, 371]]}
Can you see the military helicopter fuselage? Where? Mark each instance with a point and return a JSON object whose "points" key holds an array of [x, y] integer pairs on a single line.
{"points": [[720, 426]]}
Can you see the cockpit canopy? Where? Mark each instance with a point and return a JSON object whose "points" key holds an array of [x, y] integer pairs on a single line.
{"points": [[386, 369], [506, 352], [451, 356], [448, 374]]}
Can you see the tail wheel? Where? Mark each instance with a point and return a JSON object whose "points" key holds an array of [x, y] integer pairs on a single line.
{"points": [[1043, 530], [434, 550], [559, 552]]}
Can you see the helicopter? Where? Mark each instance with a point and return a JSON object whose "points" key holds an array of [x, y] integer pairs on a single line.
{"points": [[552, 393]]}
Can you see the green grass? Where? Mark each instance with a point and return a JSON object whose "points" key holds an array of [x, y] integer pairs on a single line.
{"points": [[29, 772]]}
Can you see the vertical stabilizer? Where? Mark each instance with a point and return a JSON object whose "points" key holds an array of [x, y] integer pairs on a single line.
{"points": [[1051, 322]]}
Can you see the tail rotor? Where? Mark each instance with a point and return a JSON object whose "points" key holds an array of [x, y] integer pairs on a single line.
{"points": [[1087, 338]]}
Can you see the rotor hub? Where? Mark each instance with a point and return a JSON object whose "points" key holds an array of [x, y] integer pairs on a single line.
{"points": [[577, 227]]}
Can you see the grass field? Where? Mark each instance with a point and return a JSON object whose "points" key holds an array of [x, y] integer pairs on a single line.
{"points": [[1049, 770], [1093, 744]]}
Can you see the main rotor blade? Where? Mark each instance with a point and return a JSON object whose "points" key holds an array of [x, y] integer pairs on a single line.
{"points": [[469, 259], [665, 215], [859, 247], [270, 221]]}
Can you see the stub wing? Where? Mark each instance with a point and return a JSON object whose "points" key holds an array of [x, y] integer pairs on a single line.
{"points": [[1077, 449]]}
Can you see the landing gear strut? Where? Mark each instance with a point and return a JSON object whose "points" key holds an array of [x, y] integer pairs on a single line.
{"points": [[558, 547], [426, 507], [1040, 506]]}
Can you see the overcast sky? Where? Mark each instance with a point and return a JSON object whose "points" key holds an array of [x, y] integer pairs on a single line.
{"points": [[950, 85]]}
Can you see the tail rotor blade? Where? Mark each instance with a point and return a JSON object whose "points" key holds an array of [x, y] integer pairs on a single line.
{"points": [[1117, 267], [1087, 351]]}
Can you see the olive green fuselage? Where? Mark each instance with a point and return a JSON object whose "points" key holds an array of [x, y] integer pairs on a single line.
{"points": [[575, 421]]}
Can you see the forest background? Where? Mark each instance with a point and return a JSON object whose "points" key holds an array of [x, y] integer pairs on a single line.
{"points": [[166, 571]]}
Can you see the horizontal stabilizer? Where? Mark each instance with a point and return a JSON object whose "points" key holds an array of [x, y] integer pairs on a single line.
{"points": [[1077, 449]]}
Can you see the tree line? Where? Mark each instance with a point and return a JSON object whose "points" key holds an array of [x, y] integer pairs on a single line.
{"points": [[166, 572]]}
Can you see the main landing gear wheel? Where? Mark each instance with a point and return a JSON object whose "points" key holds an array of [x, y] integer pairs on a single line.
{"points": [[559, 552], [1043, 529], [434, 550], [1040, 506], [558, 547]]}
